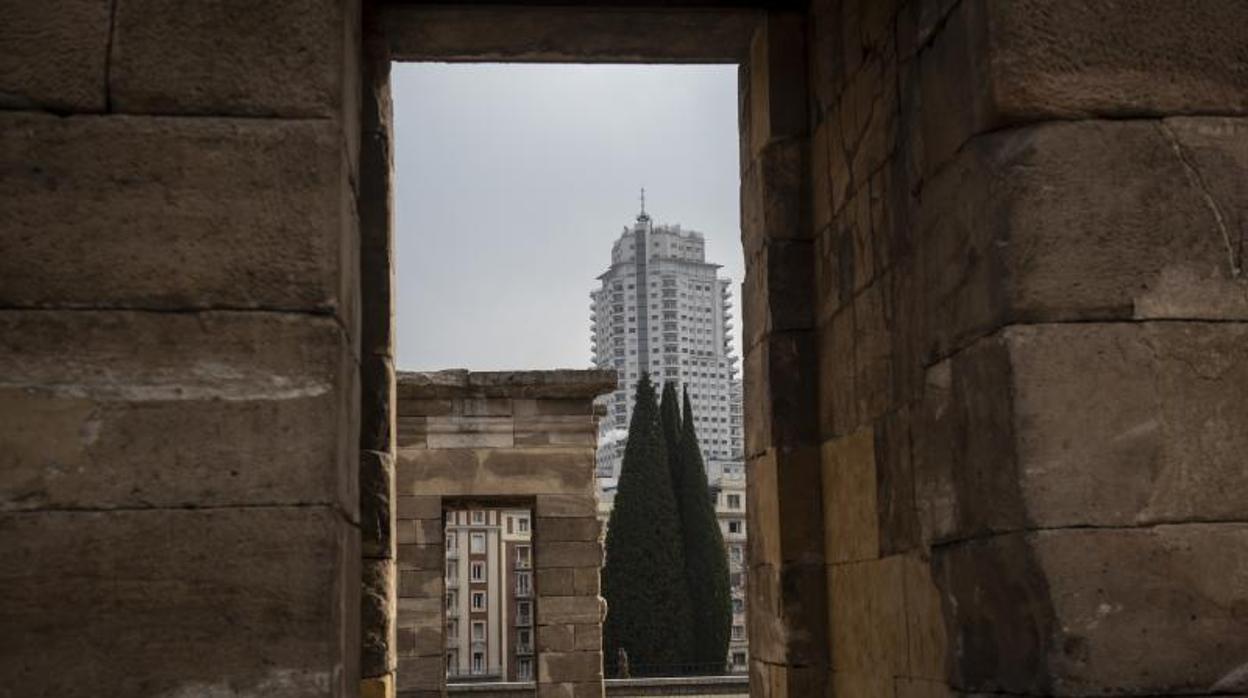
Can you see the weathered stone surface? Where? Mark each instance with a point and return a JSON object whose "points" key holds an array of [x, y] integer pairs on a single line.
{"points": [[781, 389], [926, 633], [163, 602], [377, 687], [265, 222], [556, 638], [516, 385], [496, 471], [55, 56], [126, 409], [994, 64], [419, 507], [421, 557], [377, 524], [584, 528], [421, 673], [1149, 611], [1110, 425], [587, 580], [569, 554], [775, 201], [778, 102], [378, 611], [569, 666], [867, 615], [787, 614], [292, 61], [566, 505], [778, 285], [555, 610], [377, 405], [851, 518], [785, 524], [421, 583], [1077, 221]]}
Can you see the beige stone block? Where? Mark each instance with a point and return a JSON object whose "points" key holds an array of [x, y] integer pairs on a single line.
{"points": [[560, 667], [377, 531], [419, 507], [294, 60], [782, 410], [569, 609], [273, 201], [566, 505], [568, 554], [786, 611], [496, 472], [867, 618], [782, 509], [1149, 611], [556, 582], [587, 580], [775, 203], [378, 612], [584, 528], [777, 92], [151, 602], [125, 410], [862, 685], [422, 557], [838, 404], [850, 512], [926, 634], [55, 56], [485, 407], [1084, 220], [420, 584], [918, 688], [556, 638], [589, 637], [470, 440], [377, 687], [421, 673], [777, 290]]}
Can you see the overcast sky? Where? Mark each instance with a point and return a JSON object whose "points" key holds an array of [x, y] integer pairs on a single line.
{"points": [[512, 181]]}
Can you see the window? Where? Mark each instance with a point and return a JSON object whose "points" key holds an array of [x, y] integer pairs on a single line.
{"points": [[524, 583], [478, 662], [734, 526], [524, 613], [738, 658], [476, 544], [478, 600], [524, 558], [738, 632], [451, 663], [524, 669], [522, 524], [478, 631], [736, 553], [452, 628], [734, 501], [452, 543], [738, 606], [478, 517], [477, 573], [452, 573]]}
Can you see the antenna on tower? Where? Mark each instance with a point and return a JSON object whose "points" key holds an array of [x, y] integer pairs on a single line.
{"points": [[642, 216]]}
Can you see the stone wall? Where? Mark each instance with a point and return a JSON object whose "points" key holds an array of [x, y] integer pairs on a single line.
{"points": [[519, 438], [179, 348], [1029, 221]]}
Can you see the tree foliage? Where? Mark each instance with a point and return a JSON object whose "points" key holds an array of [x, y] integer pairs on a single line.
{"points": [[706, 562], [649, 612]]}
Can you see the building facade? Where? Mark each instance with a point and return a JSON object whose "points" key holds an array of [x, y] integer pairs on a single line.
{"points": [[662, 309], [489, 595], [730, 509]]}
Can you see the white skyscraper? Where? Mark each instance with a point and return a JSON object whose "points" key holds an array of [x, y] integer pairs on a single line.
{"points": [[662, 309]]}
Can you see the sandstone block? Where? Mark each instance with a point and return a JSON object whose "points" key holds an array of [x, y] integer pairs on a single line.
{"points": [[850, 512], [558, 581], [377, 618], [422, 557], [566, 505], [589, 637], [778, 286], [377, 687], [55, 56], [867, 617], [556, 638], [1083, 220], [782, 509], [1004, 63], [569, 666], [482, 471], [377, 534], [377, 406], [1150, 611], [294, 60], [569, 609], [421, 583], [838, 407], [587, 580], [584, 528], [421, 673], [265, 222], [775, 200], [419, 507], [568, 554], [777, 94], [126, 409], [1110, 425], [787, 614], [780, 405], [182, 593]]}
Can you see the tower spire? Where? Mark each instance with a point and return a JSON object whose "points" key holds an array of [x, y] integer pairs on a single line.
{"points": [[643, 216]]}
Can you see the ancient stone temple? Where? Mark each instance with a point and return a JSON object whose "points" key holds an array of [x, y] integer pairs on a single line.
{"points": [[995, 362]]}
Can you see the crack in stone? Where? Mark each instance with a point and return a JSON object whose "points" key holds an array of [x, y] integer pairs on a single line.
{"points": [[1198, 183]]}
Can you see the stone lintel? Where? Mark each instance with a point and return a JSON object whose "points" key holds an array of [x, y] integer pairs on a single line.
{"points": [[459, 383]]}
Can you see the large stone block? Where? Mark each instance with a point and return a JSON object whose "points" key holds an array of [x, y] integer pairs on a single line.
{"points": [[569, 666], [781, 392], [994, 64], [55, 56], [131, 409], [584, 528], [1084, 220], [787, 614], [850, 511], [786, 507], [377, 522], [569, 554], [777, 291], [484, 471], [256, 600], [377, 616], [567, 505], [1109, 425], [557, 610], [867, 618], [296, 57], [1145, 611], [175, 213], [775, 195]]}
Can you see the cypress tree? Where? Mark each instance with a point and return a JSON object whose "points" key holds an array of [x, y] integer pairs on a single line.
{"points": [[706, 562], [648, 609]]}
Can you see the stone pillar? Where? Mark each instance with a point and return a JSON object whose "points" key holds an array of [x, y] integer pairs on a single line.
{"points": [[179, 348], [786, 588], [516, 438], [1032, 311]]}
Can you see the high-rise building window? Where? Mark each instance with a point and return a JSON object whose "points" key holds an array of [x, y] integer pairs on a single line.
{"points": [[478, 631], [476, 544], [477, 571], [478, 600]]}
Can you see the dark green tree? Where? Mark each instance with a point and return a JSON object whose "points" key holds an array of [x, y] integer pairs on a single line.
{"points": [[643, 581], [706, 562]]}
